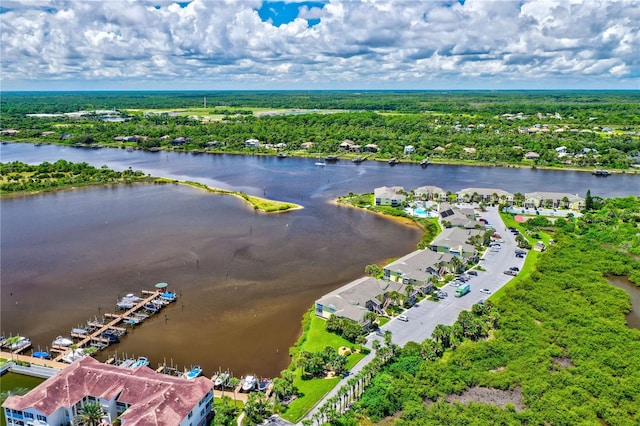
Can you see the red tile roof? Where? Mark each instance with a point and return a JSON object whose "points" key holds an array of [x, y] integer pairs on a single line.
{"points": [[154, 398]]}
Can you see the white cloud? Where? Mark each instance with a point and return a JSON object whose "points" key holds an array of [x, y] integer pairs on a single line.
{"points": [[225, 44]]}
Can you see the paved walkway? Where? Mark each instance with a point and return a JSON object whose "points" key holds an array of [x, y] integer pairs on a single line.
{"points": [[32, 360]]}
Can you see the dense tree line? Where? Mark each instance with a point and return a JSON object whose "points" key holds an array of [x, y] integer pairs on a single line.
{"points": [[561, 339], [460, 126]]}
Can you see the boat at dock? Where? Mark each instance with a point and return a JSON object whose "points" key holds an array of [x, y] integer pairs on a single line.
{"points": [[125, 305], [110, 336], [282, 155], [193, 373], [331, 158], [74, 355], [42, 355], [357, 160], [127, 363], [393, 161], [141, 362], [249, 383], [263, 384], [79, 331], [150, 307], [140, 316], [222, 379], [17, 343], [601, 173], [170, 296], [424, 163], [62, 341]]}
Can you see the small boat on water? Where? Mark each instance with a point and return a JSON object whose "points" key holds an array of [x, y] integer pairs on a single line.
{"points": [[331, 158], [282, 155], [193, 373], [249, 383], [393, 161], [321, 163], [169, 296], [358, 160], [111, 337], [601, 173], [74, 355], [424, 163], [42, 355], [159, 302], [222, 379], [133, 298], [98, 345], [62, 341], [141, 316], [141, 362]]}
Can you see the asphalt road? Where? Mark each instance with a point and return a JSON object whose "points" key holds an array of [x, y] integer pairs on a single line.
{"points": [[424, 317]]}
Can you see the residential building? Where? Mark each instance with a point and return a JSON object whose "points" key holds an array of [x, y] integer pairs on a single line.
{"points": [[532, 156], [372, 147], [306, 145], [554, 200], [485, 195], [451, 216], [409, 149], [252, 143], [137, 396], [431, 193], [455, 241], [355, 299], [418, 267], [389, 196]]}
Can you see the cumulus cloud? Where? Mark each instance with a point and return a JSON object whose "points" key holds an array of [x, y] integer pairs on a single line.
{"points": [[360, 44]]}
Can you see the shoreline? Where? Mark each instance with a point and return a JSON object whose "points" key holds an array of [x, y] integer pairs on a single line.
{"points": [[350, 156]]}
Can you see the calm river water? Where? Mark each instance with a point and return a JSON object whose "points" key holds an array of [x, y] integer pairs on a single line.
{"points": [[245, 278]]}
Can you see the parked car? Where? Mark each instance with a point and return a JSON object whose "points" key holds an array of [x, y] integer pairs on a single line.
{"points": [[485, 291], [510, 272], [442, 294], [379, 332], [515, 268], [403, 318], [472, 272]]}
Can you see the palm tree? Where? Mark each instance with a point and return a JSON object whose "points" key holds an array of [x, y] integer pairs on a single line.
{"points": [[90, 414]]}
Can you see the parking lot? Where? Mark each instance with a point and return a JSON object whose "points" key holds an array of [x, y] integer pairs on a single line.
{"points": [[422, 319]]}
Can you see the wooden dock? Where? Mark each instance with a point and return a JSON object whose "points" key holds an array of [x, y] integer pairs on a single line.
{"points": [[95, 336]]}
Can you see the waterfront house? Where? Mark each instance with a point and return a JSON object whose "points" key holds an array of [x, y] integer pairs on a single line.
{"points": [[389, 196], [430, 193], [372, 147], [532, 156], [418, 267], [306, 145], [180, 140], [554, 200], [485, 195], [137, 396], [252, 143], [355, 299], [408, 150]]}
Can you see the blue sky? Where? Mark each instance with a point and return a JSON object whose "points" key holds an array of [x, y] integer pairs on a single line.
{"points": [[367, 44]]}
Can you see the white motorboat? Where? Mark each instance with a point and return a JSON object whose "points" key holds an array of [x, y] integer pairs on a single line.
{"points": [[249, 383], [222, 379], [141, 362], [16, 343], [62, 341], [74, 355]]}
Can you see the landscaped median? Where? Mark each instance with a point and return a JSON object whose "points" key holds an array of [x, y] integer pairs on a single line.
{"points": [[315, 338]]}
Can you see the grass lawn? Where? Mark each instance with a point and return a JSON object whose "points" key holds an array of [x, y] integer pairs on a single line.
{"points": [[318, 337], [313, 391]]}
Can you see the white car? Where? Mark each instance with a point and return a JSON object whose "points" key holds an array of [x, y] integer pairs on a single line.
{"points": [[403, 318], [485, 291]]}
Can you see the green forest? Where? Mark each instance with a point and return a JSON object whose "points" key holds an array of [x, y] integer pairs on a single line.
{"points": [[556, 349], [18, 177], [577, 129]]}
